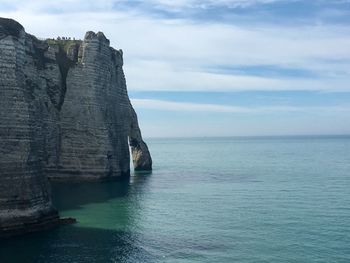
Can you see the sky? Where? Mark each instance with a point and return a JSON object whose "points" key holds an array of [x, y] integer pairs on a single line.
{"points": [[218, 67]]}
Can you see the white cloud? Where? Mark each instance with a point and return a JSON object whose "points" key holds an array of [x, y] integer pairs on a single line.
{"points": [[181, 4], [174, 54], [161, 76], [164, 105], [86, 5], [182, 106]]}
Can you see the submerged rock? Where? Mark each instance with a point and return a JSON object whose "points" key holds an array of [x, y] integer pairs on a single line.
{"points": [[65, 114]]}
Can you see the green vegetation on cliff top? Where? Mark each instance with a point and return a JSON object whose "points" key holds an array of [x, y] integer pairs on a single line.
{"points": [[64, 44]]}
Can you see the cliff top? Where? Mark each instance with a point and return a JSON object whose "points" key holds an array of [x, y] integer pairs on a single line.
{"points": [[68, 48], [65, 44], [10, 27]]}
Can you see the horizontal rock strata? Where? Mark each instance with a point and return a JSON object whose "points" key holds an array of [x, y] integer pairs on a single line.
{"points": [[64, 113], [25, 203]]}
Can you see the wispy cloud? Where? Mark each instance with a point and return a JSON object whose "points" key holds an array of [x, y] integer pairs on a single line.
{"points": [[176, 53], [178, 79], [164, 105], [211, 3]]}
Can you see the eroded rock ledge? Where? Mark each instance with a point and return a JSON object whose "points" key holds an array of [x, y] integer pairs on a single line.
{"points": [[64, 114]]}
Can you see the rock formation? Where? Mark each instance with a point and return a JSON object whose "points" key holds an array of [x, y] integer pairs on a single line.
{"points": [[64, 113], [140, 154], [96, 117], [25, 203]]}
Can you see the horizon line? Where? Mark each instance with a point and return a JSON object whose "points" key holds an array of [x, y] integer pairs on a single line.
{"points": [[247, 136]]}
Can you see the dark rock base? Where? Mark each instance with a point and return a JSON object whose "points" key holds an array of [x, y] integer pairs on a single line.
{"points": [[25, 225]]}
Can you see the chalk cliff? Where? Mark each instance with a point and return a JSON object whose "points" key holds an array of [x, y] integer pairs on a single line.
{"points": [[64, 113], [96, 117]]}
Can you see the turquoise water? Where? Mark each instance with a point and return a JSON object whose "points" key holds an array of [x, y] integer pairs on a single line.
{"points": [[244, 200]]}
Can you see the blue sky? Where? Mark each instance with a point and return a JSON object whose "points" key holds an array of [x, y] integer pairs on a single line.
{"points": [[218, 68]]}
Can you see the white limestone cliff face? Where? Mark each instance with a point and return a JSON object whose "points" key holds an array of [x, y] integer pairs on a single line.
{"points": [[64, 113], [25, 201], [139, 150], [96, 118]]}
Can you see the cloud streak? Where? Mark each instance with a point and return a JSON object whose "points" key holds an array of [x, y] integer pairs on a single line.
{"points": [[165, 105]]}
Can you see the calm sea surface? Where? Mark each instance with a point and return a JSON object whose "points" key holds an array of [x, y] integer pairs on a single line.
{"points": [[223, 200]]}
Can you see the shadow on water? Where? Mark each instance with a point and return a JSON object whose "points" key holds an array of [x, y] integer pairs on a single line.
{"points": [[70, 244], [77, 243], [72, 195]]}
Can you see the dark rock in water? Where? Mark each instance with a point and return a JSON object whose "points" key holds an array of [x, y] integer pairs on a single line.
{"points": [[64, 113]]}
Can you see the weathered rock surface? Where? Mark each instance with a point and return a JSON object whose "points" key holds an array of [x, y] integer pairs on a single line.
{"points": [[140, 154], [25, 202], [64, 113]]}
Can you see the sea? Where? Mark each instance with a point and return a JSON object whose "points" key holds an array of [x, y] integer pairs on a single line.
{"points": [[239, 199]]}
